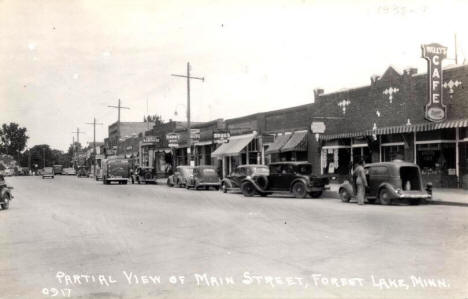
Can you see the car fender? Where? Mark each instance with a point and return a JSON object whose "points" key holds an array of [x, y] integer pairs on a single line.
{"points": [[390, 188], [256, 186], [302, 180], [228, 182], [347, 186]]}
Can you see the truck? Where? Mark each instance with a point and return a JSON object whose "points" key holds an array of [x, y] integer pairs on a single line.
{"points": [[115, 170], [58, 169]]}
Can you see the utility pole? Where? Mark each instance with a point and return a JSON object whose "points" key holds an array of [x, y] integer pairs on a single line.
{"points": [[456, 52], [94, 123], [188, 107], [118, 107], [78, 141]]}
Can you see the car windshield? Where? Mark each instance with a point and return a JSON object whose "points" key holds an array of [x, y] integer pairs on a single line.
{"points": [[305, 169], [209, 171], [48, 170], [187, 171]]}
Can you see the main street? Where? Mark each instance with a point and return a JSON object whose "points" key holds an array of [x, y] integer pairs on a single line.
{"points": [[83, 239]]}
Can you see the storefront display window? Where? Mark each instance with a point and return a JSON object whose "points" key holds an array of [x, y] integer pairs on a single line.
{"points": [[392, 152], [436, 158], [361, 153]]}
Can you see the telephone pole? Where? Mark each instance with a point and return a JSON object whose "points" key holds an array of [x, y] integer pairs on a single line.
{"points": [[118, 107], [94, 123], [78, 141], [188, 107]]}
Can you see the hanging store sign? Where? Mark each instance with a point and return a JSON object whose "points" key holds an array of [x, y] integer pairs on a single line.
{"points": [[151, 139], [221, 136], [318, 127], [195, 135], [436, 111], [172, 139]]}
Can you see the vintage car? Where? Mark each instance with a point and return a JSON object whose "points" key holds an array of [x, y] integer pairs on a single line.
{"points": [[204, 176], [69, 171], [389, 181], [144, 175], [180, 176], [115, 170], [82, 172], [286, 177], [5, 194], [233, 181], [47, 172]]}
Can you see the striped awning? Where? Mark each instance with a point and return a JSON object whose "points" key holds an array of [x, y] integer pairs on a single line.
{"points": [[279, 142], [297, 142], [460, 123], [235, 145]]}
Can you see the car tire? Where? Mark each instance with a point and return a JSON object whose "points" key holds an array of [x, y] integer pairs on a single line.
{"points": [[344, 196], [414, 201], [248, 189], [6, 202], [299, 190], [384, 197], [223, 188], [316, 194]]}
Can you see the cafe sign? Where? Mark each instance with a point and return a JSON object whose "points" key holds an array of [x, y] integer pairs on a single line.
{"points": [[221, 136], [172, 139], [435, 110]]}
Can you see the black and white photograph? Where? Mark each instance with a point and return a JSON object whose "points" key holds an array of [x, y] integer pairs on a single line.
{"points": [[257, 149]]}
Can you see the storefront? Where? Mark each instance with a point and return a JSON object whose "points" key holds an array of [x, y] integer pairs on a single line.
{"points": [[156, 154], [289, 146]]}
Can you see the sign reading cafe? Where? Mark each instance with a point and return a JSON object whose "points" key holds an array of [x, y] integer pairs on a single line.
{"points": [[434, 54]]}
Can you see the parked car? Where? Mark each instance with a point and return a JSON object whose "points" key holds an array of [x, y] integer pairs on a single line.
{"points": [[82, 172], [48, 172], [180, 176], [5, 194], [389, 181], [204, 176], [233, 181], [58, 169], [69, 171], [144, 175], [286, 177], [115, 170]]}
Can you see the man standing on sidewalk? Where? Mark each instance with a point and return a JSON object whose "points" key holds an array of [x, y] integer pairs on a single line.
{"points": [[361, 181]]}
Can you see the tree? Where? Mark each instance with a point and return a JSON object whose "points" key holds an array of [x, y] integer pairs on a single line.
{"points": [[13, 139], [157, 119]]}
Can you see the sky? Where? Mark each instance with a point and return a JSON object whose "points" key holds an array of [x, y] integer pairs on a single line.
{"points": [[63, 62]]}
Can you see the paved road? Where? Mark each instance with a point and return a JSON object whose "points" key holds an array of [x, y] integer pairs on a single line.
{"points": [[78, 235]]}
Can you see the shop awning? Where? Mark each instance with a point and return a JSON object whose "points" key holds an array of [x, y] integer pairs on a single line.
{"points": [[297, 142], [202, 143], [460, 123], [235, 145], [279, 142]]}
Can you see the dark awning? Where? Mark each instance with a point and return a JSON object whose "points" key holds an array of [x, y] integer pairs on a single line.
{"points": [[429, 126], [275, 147], [297, 143]]}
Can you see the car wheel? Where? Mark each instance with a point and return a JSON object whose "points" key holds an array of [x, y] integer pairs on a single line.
{"points": [[344, 195], [224, 188], [299, 190], [248, 189], [414, 201], [316, 194], [6, 202], [384, 197]]}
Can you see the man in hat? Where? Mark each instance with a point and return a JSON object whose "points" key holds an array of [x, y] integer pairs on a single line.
{"points": [[361, 181]]}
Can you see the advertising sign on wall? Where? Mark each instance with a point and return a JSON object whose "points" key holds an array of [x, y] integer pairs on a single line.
{"points": [[435, 110], [221, 136], [172, 139]]}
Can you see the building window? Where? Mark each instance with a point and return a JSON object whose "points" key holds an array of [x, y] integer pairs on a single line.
{"points": [[392, 152], [436, 158]]}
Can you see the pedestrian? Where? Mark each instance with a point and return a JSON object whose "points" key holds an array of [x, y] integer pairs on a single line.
{"points": [[361, 181]]}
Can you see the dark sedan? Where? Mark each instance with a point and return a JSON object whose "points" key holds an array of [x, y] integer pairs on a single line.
{"points": [[233, 181], [204, 176]]}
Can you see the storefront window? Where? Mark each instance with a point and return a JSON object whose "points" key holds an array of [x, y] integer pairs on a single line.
{"points": [[336, 160], [362, 153], [393, 152], [436, 158]]}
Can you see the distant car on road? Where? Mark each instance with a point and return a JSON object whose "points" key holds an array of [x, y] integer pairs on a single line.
{"points": [[82, 172], [286, 177], [180, 176], [48, 172], [144, 175], [69, 171], [115, 170], [204, 176], [389, 181], [233, 181], [58, 169]]}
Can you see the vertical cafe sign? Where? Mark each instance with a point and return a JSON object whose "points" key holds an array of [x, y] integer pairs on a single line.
{"points": [[434, 54]]}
